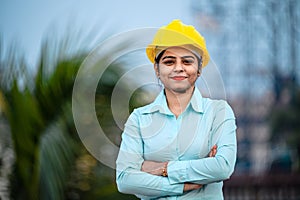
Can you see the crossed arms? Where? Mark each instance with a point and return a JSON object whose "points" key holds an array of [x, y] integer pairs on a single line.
{"points": [[144, 179], [161, 169]]}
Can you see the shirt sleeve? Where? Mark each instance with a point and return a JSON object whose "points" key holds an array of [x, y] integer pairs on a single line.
{"points": [[211, 169], [129, 177]]}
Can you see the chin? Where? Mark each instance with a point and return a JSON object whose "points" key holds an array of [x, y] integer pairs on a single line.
{"points": [[180, 90]]}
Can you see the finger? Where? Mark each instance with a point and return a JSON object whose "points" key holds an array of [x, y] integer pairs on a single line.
{"points": [[197, 186], [210, 154], [213, 151]]}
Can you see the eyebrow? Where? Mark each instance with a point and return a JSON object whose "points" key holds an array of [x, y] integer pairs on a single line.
{"points": [[173, 57], [188, 57]]}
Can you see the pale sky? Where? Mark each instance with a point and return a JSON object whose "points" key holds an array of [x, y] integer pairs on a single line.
{"points": [[27, 22]]}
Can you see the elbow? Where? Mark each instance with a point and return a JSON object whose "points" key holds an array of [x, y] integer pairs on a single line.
{"points": [[122, 186], [125, 188], [226, 169], [226, 173]]}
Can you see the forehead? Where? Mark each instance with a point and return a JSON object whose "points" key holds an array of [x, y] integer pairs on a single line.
{"points": [[178, 52]]}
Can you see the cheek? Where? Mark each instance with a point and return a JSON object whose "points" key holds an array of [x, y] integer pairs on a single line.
{"points": [[193, 78], [193, 72], [164, 71]]}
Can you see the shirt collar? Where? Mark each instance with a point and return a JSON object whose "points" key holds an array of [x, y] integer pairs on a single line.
{"points": [[197, 101], [160, 104]]}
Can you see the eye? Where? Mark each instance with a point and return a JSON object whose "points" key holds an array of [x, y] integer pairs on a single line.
{"points": [[188, 61], [168, 62]]}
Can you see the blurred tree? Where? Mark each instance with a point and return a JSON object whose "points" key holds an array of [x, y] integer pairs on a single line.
{"points": [[50, 161], [285, 126], [37, 107]]}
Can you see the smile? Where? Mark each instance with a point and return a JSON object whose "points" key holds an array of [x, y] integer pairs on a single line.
{"points": [[178, 78]]}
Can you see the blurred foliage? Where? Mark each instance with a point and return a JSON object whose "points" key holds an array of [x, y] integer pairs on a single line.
{"points": [[50, 161], [285, 126]]}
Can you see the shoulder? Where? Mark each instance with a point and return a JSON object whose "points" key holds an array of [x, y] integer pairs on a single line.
{"points": [[140, 111], [159, 104], [218, 106], [216, 102], [143, 109]]}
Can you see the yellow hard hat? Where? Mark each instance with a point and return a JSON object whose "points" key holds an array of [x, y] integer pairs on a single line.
{"points": [[177, 34]]}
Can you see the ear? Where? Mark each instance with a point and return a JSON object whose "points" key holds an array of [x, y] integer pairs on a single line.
{"points": [[200, 67], [199, 71]]}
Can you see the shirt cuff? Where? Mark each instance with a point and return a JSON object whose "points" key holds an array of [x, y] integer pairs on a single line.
{"points": [[177, 171], [172, 189]]}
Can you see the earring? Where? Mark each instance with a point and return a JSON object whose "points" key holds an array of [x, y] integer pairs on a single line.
{"points": [[159, 82]]}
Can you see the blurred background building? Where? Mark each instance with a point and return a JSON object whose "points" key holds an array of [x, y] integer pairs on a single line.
{"points": [[256, 46]]}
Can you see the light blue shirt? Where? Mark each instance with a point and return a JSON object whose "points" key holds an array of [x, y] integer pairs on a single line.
{"points": [[154, 133]]}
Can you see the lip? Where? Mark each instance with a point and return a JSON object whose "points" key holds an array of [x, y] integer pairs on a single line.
{"points": [[178, 78]]}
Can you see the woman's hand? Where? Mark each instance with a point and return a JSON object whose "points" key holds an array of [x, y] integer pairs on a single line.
{"points": [[191, 186], [155, 168], [213, 151]]}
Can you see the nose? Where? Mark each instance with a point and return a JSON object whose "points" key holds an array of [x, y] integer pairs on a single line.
{"points": [[178, 67]]}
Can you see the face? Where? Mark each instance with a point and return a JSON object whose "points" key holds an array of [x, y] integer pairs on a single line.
{"points": [[178, 69]]}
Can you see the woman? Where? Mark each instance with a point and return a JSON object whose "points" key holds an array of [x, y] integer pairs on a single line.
{"points": [[181, 146]]}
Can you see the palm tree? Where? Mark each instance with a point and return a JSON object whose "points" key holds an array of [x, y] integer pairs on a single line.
{"points": [[37, 107]]}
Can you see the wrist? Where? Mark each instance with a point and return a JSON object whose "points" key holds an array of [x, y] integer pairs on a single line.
{"points": [[165, 169]]}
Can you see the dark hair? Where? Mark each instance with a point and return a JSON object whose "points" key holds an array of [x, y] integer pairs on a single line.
{"points": [[158, 57]]}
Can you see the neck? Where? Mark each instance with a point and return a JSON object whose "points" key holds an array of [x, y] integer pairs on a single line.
{"points": [[177, 102]]}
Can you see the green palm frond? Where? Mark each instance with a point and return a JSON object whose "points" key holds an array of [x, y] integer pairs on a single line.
{"points": [[37, 108], [58, 151], [48, 153]]}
